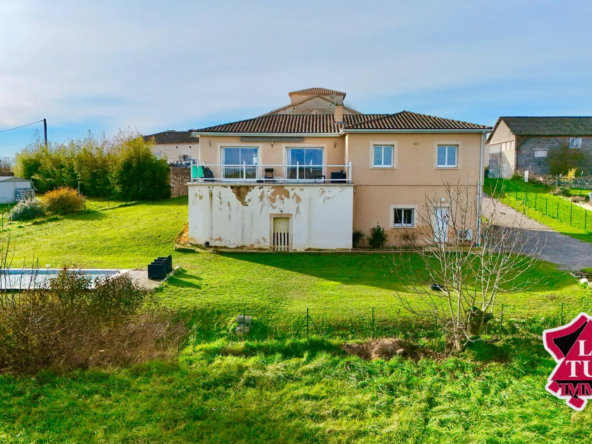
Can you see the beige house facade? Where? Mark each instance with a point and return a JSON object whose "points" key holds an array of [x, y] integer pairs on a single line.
{"points": [[306, 175]]}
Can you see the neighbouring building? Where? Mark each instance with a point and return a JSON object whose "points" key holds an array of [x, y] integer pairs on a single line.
{"points": [[175, 146], [525, 143], [13, 189], [307, 174]]}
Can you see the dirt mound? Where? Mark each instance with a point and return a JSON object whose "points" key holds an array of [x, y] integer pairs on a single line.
{"points": [[386, 349]]}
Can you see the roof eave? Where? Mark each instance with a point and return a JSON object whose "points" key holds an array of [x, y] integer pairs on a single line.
{"points": [[478, 131], [269, 134]]}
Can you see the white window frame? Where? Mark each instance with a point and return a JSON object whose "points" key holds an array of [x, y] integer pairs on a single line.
{"points": [[413, 208], [575, 142], [442, 145], [392, 147]]}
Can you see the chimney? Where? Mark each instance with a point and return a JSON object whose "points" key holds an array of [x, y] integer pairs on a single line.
{"points": [[339, 113]]}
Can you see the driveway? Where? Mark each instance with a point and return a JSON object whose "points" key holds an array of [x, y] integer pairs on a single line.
{"points": [[568, 253]]}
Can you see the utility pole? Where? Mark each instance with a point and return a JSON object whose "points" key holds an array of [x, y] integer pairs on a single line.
{"points": [[45, 131]]}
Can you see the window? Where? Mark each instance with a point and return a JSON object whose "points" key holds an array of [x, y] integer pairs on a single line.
{"points": [[540, 153], [447, 156], [575, 142], [239, 163], [305, 163], [403, 217], [383, 156]]}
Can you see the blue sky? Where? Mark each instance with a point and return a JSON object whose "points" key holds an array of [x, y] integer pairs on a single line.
{"points": [[153, 65]]}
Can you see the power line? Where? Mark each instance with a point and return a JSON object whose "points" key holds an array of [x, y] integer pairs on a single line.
{"points": [[19, 127]]}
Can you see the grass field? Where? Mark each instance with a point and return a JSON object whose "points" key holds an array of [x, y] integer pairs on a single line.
{"points": [[535, 201], [281, 390]]}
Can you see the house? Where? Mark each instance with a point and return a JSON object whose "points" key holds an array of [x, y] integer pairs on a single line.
{"points": [[175, 146], [14, 189], [305, 175], [525, 143]]}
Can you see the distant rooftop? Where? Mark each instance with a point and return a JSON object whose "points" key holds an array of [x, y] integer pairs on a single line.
{"points": [[549, 126], [171, 136]]}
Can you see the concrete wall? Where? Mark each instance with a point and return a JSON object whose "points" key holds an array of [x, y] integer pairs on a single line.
{"points": [[172, 152], [8, 188], [503, 147], [242, 216]]}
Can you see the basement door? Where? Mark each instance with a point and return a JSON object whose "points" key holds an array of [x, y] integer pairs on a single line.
{"points": [[281, 234]]}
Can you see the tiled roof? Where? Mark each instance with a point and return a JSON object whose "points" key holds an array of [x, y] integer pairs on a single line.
{"points": [[170, 136], [549, 126], [325, 123], [406, 120], [280, 123], [313, 91]]}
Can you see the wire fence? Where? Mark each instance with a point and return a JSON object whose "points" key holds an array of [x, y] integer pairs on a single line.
{"points": [[545, 204], [372, 322]]}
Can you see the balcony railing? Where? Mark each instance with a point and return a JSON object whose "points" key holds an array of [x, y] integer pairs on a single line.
{"points": [[298, 173]]}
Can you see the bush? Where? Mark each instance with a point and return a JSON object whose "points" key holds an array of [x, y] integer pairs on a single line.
{"points": [[140, 175], [377, 237], [357, 238], [27, 210], [73, 323], [561, 191], [63, 201], [578, 199], [123, 167]]}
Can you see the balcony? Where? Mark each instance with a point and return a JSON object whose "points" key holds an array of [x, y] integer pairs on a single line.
{"points": [[272, 174]]}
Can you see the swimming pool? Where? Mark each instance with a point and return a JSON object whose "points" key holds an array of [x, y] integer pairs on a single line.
{"points": [[29, 278]]}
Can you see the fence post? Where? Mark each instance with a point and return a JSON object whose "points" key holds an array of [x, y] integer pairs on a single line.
{"points": [[558, 212], [307, 322], [585, 220], [546, 201], [535, 200], [570, 213], [372, 334], [561, 318]]}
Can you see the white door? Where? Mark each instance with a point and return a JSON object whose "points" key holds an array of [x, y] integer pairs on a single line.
{"points": [[281, 234], [441, 224]]}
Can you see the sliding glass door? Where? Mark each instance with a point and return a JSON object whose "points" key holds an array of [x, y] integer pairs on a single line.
{"points": [[239, 163], [305, 163]]}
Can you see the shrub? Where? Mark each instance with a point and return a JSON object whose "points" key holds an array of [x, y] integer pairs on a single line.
{"points": [[578, 199], [561, 191], [564, 159], [73, 323], [357, 238], [377, 237], [140, 175], [63, 201], [517, 177], [27, 209]]}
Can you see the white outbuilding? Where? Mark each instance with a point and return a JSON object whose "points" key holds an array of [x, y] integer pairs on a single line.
{"points": [[14, 188]]}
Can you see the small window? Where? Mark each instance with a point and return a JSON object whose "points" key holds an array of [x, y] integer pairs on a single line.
{"points": [[575, 142], [540, 153], [383, 156], [447, 156], [404, 217]]}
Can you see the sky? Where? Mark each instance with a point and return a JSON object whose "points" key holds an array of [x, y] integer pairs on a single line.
{"points": [[150, 66]]}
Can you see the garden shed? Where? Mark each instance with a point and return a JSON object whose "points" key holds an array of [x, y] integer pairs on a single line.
{"points": [[14, 188]]}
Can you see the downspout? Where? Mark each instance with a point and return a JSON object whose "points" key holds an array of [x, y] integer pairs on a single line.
{"points": [[480, 192]]}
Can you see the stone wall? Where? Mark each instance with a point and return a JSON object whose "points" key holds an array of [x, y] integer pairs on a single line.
{"points": [[178, 178], [526, 160]]}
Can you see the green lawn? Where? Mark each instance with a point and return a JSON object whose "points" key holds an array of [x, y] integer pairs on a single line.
{"points": [[535, 201], [284, 390]]}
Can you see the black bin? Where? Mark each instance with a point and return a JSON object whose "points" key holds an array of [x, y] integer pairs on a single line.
{"points": [[157, 270], [168, 260]]}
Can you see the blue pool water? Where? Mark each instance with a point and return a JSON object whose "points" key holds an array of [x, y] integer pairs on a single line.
{"points": [[26, 278]]}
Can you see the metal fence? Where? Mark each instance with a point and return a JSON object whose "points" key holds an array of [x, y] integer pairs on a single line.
{"points": [[376, 322], [545, 204]]}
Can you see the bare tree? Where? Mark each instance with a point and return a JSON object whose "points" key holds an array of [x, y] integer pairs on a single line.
{"points": [[6, 164], [467, 262]]}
